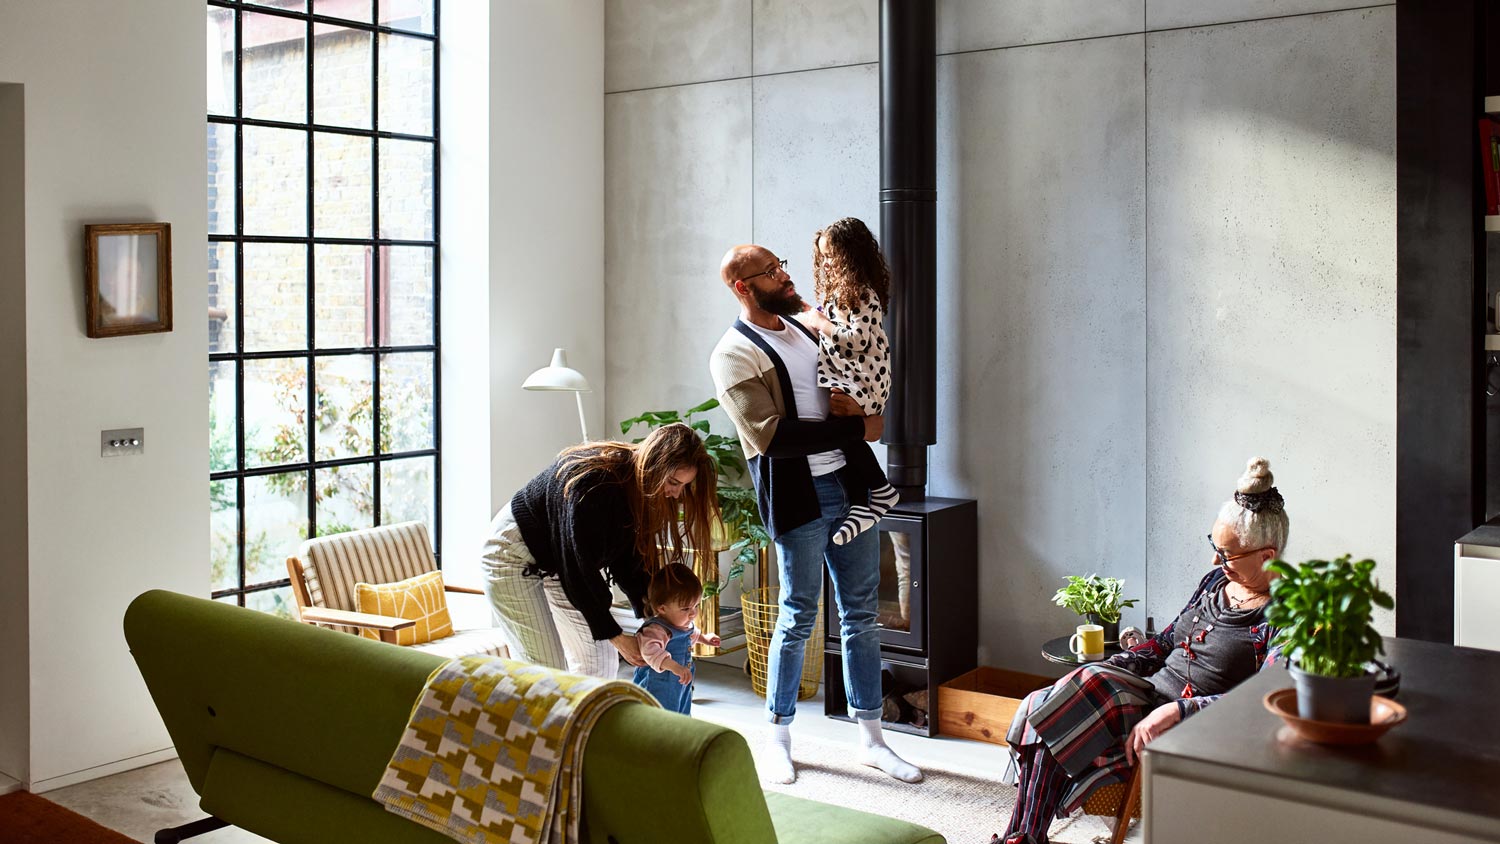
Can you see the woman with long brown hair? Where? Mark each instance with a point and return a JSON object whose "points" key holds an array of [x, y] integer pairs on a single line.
{"points": [[603, 512]]}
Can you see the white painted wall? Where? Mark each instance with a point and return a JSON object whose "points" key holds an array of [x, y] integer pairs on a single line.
{"points": [[1149, 266], [114, 127], [15, 627], [464, 264], [546, 199]]}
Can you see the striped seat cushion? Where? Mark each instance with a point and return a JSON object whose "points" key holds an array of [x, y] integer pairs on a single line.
{"points": [[332, 565], [484, 641]]}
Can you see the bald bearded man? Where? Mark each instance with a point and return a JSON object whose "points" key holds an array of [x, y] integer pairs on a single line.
{"points": [[765, 372]]}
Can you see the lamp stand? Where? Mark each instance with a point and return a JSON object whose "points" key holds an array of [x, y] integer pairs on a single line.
{"points": [[583, 424]]}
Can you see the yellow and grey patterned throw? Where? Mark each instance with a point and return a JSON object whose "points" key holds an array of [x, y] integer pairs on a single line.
{"points": [[494, 751]]}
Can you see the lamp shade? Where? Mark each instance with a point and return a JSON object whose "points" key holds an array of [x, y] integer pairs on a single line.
{"points": [[558, 376]]}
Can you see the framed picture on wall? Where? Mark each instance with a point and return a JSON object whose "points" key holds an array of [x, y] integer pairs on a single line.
{"points": [[128, 278]]}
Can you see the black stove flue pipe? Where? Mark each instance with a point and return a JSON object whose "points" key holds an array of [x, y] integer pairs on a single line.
{"points": [[908, 232]]}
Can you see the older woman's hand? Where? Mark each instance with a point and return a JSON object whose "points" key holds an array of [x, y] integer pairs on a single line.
{"points": [[1161, 719]]}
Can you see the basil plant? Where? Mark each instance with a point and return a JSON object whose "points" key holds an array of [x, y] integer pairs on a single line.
{"points": [[1323, 608]]}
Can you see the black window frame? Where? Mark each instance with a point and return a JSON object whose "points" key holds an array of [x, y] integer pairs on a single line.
{"points": [[310, 354]]}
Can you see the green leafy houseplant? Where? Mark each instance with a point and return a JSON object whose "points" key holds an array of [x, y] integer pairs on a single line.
{"points": [[1323, 609], [1094, 595], [743, 530]]}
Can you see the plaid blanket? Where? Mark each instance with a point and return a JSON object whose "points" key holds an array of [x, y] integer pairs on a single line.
{"points": [[493, 751], [1081, 717]]}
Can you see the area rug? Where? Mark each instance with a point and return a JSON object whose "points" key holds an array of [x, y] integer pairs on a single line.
{"points": [[28, 819], [965, 808]]}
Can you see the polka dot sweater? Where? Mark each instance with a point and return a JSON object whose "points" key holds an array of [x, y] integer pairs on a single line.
{"points": [[856, 358]]}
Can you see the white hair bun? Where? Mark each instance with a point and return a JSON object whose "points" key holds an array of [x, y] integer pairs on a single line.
{"points": [[1257, 477]]}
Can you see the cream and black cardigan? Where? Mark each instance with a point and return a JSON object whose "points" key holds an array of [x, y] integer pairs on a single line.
{"points": [[755, 389]]}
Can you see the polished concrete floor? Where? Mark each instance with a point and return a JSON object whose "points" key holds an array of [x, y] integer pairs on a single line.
{"points": [[139, 802]]}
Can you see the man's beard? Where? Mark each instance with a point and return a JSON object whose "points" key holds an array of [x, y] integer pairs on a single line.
{"points": [[778, 302]]}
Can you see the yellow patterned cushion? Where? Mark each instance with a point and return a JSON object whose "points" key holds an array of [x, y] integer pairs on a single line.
{"points": [[420, 599]]}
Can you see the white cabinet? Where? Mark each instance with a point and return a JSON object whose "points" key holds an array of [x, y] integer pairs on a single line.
{"points": [[1476, 594]]}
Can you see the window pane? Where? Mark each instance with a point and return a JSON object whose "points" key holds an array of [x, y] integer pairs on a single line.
{"points": [[222, 432], [220, 178], [353, 10], [341, 75], [232, 600], [345, 399], [277, 602], [289, 5], [275, 524], [220, 47], [342, 287], [221, 293], [405, 85], [273, 67], [275, 412], [413, 15], [406, 402], [406, 190], [275, 181], [408, 492], [275, 297], [409, 293], [341, 185], [346, 498], [224, 532]]}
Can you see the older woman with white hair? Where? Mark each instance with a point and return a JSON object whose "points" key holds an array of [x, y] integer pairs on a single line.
{"points": [[1088, 729]]}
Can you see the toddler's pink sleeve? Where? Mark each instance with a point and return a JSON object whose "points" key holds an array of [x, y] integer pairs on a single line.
{"points": [[653, 642]]}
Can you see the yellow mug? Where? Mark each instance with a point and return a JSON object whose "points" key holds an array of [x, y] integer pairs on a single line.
{"points": [[1088, 642]]}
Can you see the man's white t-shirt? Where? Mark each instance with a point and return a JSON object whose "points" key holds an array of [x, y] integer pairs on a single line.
{"points": [[800, 354]]}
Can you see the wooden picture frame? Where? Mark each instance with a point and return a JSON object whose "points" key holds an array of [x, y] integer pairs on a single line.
{"points": [[127, 278]]}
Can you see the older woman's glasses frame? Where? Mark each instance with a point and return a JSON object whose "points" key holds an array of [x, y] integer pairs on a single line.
{"points": [[779, 265], [1224, 558]]}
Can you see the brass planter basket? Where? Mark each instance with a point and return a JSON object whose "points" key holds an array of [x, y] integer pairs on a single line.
{"points": [[761, 611]]}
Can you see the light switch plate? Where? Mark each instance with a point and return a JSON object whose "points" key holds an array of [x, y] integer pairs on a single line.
{"points": [[122, 441]]}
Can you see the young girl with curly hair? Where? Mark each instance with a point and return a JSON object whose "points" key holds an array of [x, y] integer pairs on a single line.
{"points": [[852, 285]]}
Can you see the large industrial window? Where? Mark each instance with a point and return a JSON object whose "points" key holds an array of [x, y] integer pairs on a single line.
{"points": [[322, 279]]}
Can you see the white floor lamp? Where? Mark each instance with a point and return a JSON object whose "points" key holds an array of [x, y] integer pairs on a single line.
{"points": [[558, 377]]}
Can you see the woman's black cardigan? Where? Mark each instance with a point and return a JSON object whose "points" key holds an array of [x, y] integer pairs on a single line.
{"points": [[586, 539]]}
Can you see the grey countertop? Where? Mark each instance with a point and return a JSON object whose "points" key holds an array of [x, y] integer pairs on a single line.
{"points": [[1486, 534], [1446, 755]]}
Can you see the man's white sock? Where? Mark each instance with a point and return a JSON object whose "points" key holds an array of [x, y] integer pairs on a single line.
{"points": [[877, 754], [778, 755]]}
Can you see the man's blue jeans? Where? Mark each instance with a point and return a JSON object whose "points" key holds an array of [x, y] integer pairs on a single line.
{"points": [[855, 571]]}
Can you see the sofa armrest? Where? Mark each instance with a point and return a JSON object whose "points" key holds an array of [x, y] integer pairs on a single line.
{"points": [[385, 625], [463, 590]]}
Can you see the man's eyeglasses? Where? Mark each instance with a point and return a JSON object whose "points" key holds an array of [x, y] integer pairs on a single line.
{"points": [[1222, 557], [771, 270]]}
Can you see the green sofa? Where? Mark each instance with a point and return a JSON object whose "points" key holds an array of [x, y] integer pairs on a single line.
{"points": [[284, 730]]}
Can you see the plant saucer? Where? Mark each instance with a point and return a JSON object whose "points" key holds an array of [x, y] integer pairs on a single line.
{"points": [[1384, 714]]}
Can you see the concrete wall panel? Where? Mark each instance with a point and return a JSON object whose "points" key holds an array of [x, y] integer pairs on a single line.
{"points": [[1165, 14], [806, 34], [1272, 284], [650, 44], [1041, 391], [677, 190], [987, 24]]}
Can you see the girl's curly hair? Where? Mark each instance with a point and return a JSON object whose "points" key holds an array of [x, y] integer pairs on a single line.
{"points": [[857, 265]]}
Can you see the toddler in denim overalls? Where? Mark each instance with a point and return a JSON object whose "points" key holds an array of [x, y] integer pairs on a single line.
{"points": [[667, 638]]}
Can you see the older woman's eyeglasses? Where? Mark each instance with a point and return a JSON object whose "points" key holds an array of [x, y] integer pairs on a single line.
{"points": [[771, 270], [1222, 557]]}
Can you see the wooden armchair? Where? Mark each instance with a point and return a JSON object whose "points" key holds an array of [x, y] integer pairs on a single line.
{"points": [[1122, 800], [325, 570]]}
